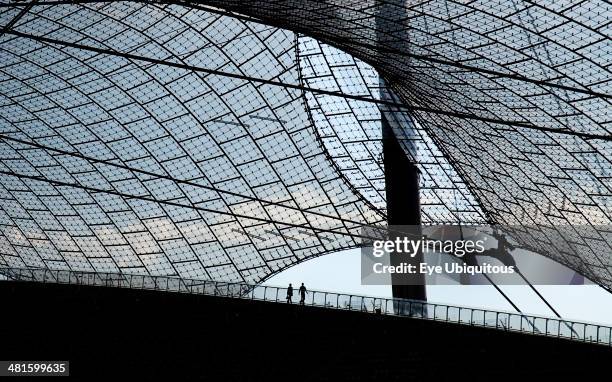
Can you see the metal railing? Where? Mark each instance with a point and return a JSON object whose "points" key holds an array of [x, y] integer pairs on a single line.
{"points": [[538, 325]]}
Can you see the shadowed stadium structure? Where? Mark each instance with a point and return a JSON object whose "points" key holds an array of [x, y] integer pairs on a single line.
{"points": [[229, 140]]}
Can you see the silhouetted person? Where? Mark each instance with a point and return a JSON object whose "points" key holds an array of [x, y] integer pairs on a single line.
{"points": [[303, 292], [501, 253], [290, 294], [503, 249], [504, 245]]}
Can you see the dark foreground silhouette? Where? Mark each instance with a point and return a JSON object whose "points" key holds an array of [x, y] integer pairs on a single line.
{"points": [[114, 333]]}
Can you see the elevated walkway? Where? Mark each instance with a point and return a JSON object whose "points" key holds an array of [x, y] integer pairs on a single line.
{"points": [[501, 320], [114, 326]]}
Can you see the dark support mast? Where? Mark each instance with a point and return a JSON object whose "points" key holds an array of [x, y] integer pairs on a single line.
{"points": [[403, 209], [401, 175]]}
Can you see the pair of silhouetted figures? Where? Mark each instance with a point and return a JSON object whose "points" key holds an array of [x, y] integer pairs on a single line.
{"points": [[302, 291]]}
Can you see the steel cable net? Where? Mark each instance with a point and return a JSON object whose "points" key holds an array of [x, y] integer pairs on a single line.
{"points": [[491, 147], [163, 171], [516, 94]]}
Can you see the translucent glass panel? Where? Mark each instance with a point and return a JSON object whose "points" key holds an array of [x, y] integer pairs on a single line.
{"points": [[123, 165], [515, 94], [351, 132], [155, 167]]}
